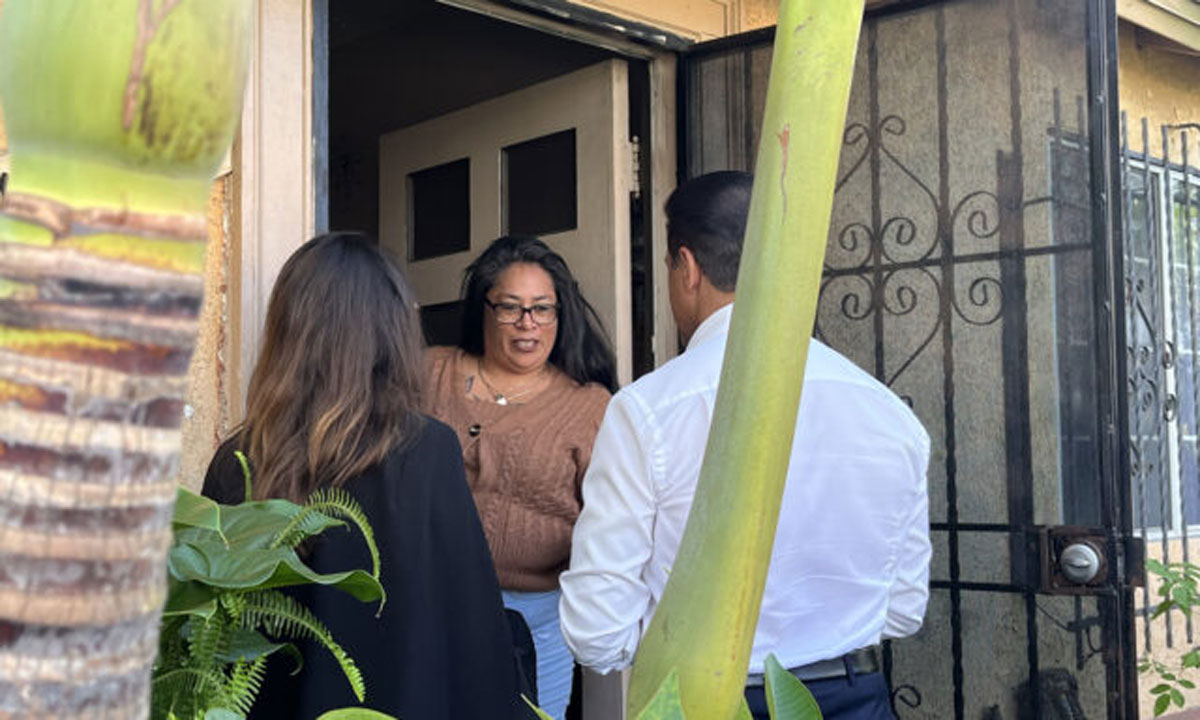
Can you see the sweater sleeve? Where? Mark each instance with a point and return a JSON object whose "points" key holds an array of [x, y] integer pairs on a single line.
{"points": [[592, 407]]}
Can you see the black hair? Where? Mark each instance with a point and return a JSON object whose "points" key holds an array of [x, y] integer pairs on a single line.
{"points": [[707, 215], [581, 348]]}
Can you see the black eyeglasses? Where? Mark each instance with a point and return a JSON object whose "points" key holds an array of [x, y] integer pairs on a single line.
{"points": [[508, 313]]}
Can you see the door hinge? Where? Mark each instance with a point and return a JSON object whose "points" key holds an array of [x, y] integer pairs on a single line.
{"points": [[635, 160]]}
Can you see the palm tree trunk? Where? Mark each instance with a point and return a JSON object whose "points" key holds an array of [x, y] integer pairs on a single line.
{"points": [[117, 114]]}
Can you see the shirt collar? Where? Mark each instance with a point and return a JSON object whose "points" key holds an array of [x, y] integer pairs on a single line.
{"points": [[714, 324]]}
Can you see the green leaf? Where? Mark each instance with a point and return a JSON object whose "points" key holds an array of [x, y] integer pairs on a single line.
{"points": [[222, 714], [1191, 659], [231, 567], [1187, 684], [355, 714], [248, 645], [1155, 566], [787, 698], [190, 598], [1160, 688], [537, 710], [665, 705], [254, 525], [192, 510], [186, 560], [1161, 704], [334, 502], [743, 712], [1176, 697]]}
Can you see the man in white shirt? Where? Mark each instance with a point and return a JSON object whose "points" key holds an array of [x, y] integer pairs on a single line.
{"points": [[850, 564]]}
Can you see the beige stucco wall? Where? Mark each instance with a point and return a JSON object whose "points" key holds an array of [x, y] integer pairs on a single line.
{"points": [[701, 19], [694, 19], [1158, 81], [207, 414], [1157, 629]]}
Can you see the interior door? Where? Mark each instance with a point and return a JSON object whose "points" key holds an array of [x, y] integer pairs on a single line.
{"points": [[970, 267], [551, 160]]}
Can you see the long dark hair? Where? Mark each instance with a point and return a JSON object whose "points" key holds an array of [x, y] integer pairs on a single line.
{"points": [[581, 348], [337, 384]]}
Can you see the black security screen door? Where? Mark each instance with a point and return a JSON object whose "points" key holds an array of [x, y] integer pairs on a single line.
{"points": [[970, 268]]}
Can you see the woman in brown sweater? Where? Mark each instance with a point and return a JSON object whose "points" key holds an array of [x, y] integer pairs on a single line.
{"points": [[525, 392]]}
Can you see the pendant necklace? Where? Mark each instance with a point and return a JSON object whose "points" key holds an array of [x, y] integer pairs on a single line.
{"points": [[502, 398]]}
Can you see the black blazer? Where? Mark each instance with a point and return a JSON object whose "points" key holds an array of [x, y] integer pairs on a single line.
{"points": [[443, 646]]}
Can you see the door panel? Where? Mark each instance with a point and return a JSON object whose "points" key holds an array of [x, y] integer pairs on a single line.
{"points": [[967, 270], [587, 109]]}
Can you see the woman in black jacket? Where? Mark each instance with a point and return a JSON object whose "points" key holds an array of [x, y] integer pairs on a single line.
{"points": [[333, 403]]}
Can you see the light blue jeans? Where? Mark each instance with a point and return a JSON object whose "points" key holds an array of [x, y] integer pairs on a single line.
{"points": [[554, 661]]}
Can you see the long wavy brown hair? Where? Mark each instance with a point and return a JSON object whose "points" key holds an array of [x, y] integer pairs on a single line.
{"points": [[338, 381]]}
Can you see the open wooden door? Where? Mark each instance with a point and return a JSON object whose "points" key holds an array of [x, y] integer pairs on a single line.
{"points": [[551, 160]]}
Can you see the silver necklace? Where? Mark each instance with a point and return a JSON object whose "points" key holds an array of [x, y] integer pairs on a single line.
{"points": [[505, 398]]}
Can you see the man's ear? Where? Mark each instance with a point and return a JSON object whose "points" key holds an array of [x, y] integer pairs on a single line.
{"points": [[690, 267]]}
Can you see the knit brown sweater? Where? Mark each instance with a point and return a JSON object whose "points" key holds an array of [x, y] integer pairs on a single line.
{"points": [[525, 464]]}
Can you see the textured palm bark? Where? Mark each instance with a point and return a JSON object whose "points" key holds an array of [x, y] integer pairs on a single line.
{"points": [[117, 112]]}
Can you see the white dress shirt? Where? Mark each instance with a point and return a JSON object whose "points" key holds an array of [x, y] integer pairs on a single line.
{"points": [[850, 563]]}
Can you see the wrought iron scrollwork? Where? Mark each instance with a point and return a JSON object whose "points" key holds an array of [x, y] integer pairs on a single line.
{"points": [[981, 210], [905, 695], [984, 295], [892, 266]]}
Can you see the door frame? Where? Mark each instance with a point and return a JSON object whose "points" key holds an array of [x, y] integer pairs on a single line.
{"points": [[1110, 311]]}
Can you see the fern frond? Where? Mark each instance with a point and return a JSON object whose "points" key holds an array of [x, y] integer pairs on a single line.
{"points": [[303, 524], [285, 618], [233, 603], [244, 684], [172, 650], [333, 502], [185, 692], [208, 639]]}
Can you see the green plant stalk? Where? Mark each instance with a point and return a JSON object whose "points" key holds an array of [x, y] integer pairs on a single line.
{"points": [[704, 626]]}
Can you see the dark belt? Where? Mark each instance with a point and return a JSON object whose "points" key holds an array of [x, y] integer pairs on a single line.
{"points": [[860, 662]]}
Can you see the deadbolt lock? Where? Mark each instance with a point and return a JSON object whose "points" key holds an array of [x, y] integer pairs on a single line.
{"points": [[1073, 559], [1080, 562]]}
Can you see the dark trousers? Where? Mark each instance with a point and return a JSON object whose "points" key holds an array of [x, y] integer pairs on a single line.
{"points": [[854, 697]]}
